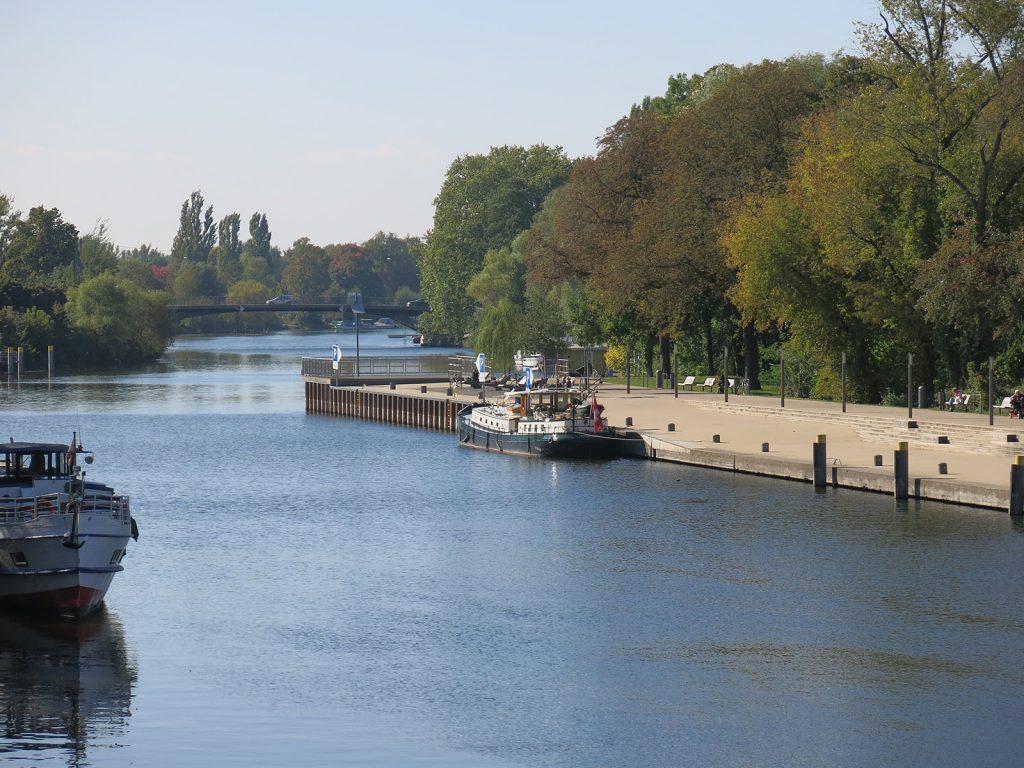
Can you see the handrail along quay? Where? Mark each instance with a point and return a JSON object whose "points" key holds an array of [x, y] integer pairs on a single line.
{"points": [[342, 392]]}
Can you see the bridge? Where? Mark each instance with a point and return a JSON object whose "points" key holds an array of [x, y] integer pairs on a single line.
{"points": [[397, 312]]}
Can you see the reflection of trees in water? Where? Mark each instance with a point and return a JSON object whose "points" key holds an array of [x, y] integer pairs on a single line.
{"points": [[63, 684]]}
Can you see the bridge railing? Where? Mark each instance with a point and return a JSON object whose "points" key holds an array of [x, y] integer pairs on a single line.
{"points": [[322, 367]]}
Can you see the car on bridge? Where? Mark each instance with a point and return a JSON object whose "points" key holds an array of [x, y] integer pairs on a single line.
{"points": [[284, 298]]}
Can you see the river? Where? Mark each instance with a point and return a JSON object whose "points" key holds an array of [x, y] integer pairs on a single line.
{"points": [[313, 591]]}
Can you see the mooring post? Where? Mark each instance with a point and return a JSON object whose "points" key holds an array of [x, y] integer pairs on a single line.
{"points": [[901, 471], [819, 462], [49, 361], [1017, 486]]}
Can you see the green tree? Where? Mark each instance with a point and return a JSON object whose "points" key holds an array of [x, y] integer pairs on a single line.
{"points": [[41, 247], [394, 261], [197, 284], [499, 333], [503, 277], [31, 328], [98, 253], [124, 323], [196, 232], [227, 256], [8, 218], [949, 95], [485, 201], [305, 270], [261, 261], [252, 292]]}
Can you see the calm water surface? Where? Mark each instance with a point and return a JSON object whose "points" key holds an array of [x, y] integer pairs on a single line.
{"points": [[312, 591]]}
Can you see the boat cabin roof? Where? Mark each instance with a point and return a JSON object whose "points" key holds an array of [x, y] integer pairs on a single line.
{"points": [[561, 398], [13, 447]]}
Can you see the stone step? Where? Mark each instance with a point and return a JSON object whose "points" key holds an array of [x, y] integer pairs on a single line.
{"points": [[973, 438]]}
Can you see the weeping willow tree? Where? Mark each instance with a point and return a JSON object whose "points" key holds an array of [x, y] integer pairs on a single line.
{"points": [[499, 333]]}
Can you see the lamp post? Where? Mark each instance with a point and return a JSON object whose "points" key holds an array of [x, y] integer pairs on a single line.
{"points": [[355, 302]]}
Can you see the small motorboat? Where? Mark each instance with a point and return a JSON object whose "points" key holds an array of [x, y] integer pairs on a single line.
{"points": [[62, 537]]}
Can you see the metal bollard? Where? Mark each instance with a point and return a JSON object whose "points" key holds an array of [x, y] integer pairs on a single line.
{"points": [[629, 421], [764, 447], [671, 427], [716, 438], [943, 468], [819, 462], [878, 459], [901, 471], [1017, 486]]}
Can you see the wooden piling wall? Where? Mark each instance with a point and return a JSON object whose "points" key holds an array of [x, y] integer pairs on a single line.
{"points": [[411, 410]]}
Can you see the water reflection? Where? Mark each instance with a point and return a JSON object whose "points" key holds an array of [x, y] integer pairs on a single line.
{"points": [[217, 374], [63, 686]]}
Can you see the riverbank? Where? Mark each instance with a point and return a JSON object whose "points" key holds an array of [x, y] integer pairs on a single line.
{"points": [[953, 457]]}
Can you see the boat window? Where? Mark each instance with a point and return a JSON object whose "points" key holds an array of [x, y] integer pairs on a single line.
{"points": [[19, 559], [116, 557]]}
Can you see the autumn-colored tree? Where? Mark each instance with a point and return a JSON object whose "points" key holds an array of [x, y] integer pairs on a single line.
{"points": [[352, 268]]}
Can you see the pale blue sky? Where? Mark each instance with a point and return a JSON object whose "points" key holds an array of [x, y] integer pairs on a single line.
{"points": [[338, 119]]}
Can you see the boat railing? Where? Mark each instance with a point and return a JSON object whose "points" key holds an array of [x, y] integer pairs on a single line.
{"points": [[116, 506], [26, 508]]}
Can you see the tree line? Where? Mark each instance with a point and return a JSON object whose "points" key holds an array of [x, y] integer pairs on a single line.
{"points": [[853, 208], [103, 305]]}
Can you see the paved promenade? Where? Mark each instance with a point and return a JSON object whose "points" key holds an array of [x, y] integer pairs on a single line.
{"points": [[977, 456]]}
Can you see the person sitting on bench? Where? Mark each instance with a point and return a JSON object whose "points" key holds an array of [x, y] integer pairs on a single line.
{"points": [[955, 400]]}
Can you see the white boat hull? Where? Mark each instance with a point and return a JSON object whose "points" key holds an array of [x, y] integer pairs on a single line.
{"points": [[39, 572]]}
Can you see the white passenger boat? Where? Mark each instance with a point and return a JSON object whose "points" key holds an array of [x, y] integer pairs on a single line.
{"points": [[62, 538]]}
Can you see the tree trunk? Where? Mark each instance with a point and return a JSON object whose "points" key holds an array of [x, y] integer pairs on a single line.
{"points": [[710, 342], [666, 354], [751, 357], [649, 354]]}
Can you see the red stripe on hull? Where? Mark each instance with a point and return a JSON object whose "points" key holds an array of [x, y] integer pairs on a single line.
{"points": [[76, 601]]}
